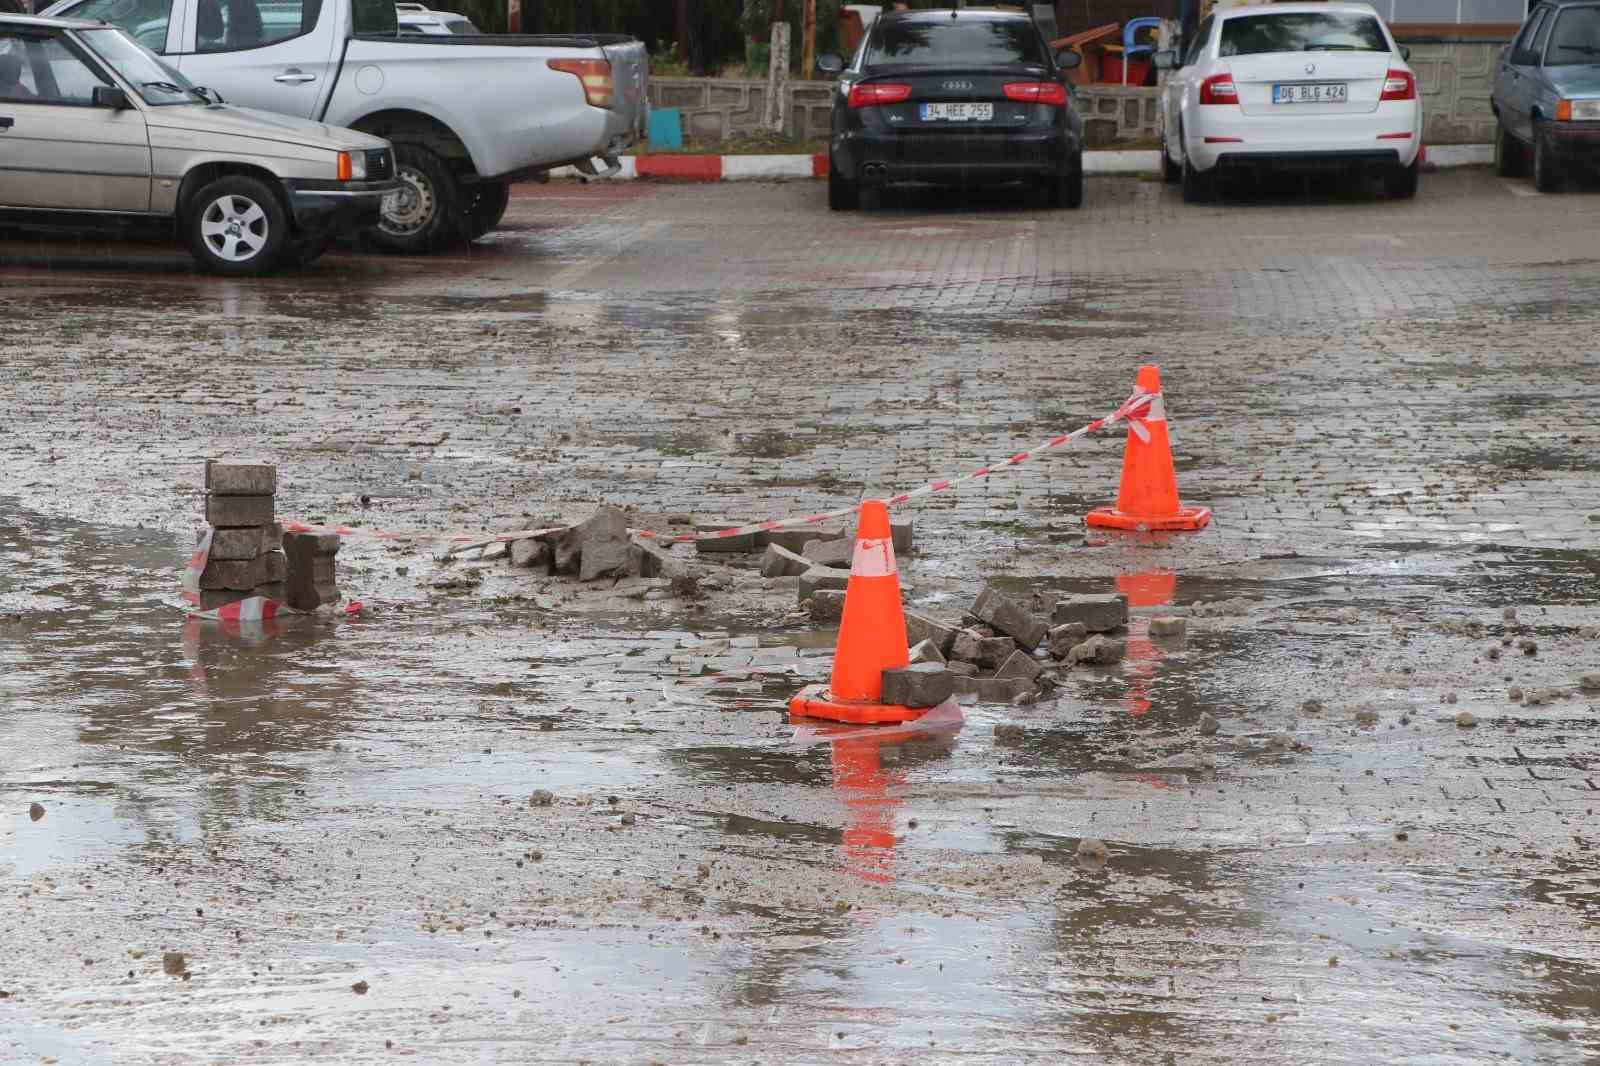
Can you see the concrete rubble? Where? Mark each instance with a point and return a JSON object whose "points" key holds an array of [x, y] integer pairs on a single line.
{"points": [[602, 547]]}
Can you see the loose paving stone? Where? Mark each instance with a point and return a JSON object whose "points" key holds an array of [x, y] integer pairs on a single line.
{"points": [[834, 553], [1009, 733], [35, 811], [822, 577], [926, 651], [1590, 682], [225, 511], [741, 544], [1097, 650], [781, 562], [1097, 613], [1064, 638], [1092, 851], [1208, 725], [992, 689], [241, 479], [920, 627], [996, 610], [1466, 720], [242, 544], [795, 540], [602, 544], [961, 669], [530, 553], [827, 605], [1020, 664], [235, 574], [1167, 626], [984, 651], [901, 536], [917, 685]]}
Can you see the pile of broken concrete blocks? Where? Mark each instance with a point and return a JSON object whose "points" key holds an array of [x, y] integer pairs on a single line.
{"points": [[1003, 652], [820, 557], [600, 547], [250, 554]]}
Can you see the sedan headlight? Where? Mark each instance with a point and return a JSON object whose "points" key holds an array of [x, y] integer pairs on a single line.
{"points": [[352, 166], [1585, 110]]}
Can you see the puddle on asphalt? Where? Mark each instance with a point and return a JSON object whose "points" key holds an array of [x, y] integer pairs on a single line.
{"points": [[147, 736]]}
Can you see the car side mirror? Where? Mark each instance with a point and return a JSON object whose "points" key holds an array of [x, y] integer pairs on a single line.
{"points": [[1165, 59], [1524, 57], [112, 97], [831, 64], [1405, 52], [1066, 59]]}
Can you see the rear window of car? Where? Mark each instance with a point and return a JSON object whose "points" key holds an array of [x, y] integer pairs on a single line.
{"points": [[957, 42], [1317, 31]]}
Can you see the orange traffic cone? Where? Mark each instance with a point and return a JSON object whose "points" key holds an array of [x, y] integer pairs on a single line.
{"points": [[1148, 498], [872, 635]]}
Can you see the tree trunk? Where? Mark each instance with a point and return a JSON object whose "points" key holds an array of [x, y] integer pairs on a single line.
{"points": [[808, 38], [682, 31]]}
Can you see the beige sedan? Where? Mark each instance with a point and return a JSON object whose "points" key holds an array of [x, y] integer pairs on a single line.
{"points": [[95, 131]]}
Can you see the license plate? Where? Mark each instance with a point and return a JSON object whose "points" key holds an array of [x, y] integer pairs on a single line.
{"points": [[957, 112], [1325, 92]]}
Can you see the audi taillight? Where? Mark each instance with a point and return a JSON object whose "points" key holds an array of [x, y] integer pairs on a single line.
{"points": [[1399, 85], [1037, 92], [598, 88], [878, 93], [1218, 89]]}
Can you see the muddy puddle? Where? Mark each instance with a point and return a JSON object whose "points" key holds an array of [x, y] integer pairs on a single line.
{"points": [[305, 805]]}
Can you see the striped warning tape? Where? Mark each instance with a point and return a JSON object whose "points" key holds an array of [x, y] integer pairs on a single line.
{"points": [[463, 542]]}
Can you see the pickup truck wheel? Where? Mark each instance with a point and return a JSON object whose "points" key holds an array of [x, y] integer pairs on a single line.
{"points": [[424, 215], [486, 206], [236, 225]]}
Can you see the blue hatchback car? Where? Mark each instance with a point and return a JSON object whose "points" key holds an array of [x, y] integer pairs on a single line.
{"points": [[1547, 94]]}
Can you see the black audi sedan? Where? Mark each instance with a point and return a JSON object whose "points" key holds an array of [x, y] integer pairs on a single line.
{"points": [[958, 97]]}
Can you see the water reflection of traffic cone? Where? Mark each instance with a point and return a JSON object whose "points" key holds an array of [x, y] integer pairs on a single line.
{"points": [[1148, 496], [1151, 588], [869, 830], [872, 635]]}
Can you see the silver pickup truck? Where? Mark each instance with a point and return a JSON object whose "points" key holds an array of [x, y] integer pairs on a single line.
{"points": [[467, 115]]}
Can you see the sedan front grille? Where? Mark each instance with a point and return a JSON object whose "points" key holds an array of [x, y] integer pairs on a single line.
{"points": [[380, 165]]}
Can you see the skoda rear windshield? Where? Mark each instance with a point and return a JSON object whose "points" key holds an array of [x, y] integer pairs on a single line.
{"points": [[1310, 31], [955, 42]]}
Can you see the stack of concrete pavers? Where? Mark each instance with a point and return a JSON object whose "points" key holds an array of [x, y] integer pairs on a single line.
{"points": [[1001, 652], [312, 581], [245, 559]]}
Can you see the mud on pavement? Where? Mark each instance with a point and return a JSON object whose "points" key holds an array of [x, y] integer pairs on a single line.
{"points": [[1347, 817]]}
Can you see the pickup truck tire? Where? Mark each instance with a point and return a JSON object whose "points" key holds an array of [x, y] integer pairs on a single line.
{"points": [[425, 216], [236, 226], [486, 206]]}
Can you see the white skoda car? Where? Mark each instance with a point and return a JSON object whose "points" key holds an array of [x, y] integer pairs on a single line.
{"points": [[1308, 86]]}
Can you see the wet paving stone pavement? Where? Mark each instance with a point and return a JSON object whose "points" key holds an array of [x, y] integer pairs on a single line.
{"points": [[1385, 404]]}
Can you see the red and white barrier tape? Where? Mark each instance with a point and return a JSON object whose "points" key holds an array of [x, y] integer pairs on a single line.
{"points": [[461, 542], [249, 609]]}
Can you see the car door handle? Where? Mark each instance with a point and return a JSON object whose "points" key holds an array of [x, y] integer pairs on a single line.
{"points": [[5, 122], [294, 77]]}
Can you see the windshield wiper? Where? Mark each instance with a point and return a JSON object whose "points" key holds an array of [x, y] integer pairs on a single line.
{"points": [[1586, 49], [165, 86], [1331, 48]]}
